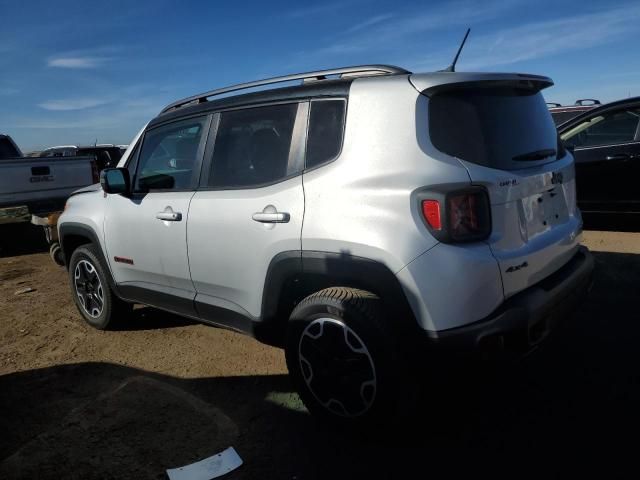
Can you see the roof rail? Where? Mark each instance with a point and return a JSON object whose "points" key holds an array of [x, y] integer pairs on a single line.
{"points": [[360, 70], [582, 101]]}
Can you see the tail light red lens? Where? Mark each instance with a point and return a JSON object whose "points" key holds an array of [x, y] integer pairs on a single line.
{"points": [[95, 175], [469, 216], [431, 212], [458, 216]]}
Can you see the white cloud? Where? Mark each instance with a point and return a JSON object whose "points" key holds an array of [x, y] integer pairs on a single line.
{"points": [[369, 23], [376, 34], [72, 104], [77, 62], [542, 39]]}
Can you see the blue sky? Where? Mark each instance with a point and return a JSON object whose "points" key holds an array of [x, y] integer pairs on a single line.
{"points": [[72, 72]]}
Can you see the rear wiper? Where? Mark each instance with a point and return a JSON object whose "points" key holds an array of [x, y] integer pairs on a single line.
{"points": [[536, 155]]}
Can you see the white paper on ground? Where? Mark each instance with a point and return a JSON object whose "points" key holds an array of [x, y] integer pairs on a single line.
{"points": [[208, 468]]}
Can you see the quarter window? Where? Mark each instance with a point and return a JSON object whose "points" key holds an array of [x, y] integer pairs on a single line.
{"points": [[252, 146], [326, 124], [607, 129], [169, 156]]}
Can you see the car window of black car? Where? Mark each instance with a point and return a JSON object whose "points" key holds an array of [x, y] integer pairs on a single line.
{"points": [[611, 128]]}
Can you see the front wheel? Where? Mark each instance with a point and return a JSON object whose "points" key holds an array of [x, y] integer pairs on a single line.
{"points": [[92, 293], [342, 357]]}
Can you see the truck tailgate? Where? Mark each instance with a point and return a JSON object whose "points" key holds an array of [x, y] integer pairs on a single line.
{"points": [[26, 180]]}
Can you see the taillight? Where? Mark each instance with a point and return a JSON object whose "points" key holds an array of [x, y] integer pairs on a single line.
{"points": [[469, 217], [95, 175], [457, 216]]}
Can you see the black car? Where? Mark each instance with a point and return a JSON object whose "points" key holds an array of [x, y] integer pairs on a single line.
{"points": [[106, 155], [564, 113], [606, 145]]}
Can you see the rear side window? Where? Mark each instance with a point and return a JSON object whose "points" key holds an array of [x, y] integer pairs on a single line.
{"points": [[169, 156], [326, 124], [494, 127], [252, 146], [7, 150], [607, 129]]}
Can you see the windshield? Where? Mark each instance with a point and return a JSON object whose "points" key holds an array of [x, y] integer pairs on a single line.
{"points": [[504, 128]]}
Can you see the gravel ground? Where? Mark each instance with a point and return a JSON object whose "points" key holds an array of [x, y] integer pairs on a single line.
{"points": [[164, 392]]}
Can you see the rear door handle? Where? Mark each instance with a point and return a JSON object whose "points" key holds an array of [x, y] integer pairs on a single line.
{"points": [[620, 156], [275, 217], [169, 216]]}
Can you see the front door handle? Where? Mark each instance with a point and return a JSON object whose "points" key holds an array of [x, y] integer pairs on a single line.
{"points": [[620, 156], [169, 216], [271, 217]]}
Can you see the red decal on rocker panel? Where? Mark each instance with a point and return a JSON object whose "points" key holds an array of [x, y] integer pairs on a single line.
{"points": [[128, 261]]}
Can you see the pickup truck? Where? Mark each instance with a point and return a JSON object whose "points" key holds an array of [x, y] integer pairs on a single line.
{"points": [[39, 186]]}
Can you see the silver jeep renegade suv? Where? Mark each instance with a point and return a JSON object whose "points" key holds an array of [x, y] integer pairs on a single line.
{"points": [[355, 219]]}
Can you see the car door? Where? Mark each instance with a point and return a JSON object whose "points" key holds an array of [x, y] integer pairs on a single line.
{"points": [[145, 232], [248, 210], [607, 155]]}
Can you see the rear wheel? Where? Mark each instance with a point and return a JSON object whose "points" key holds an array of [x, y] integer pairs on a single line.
{"points": [[342, 358], [92, 294]]}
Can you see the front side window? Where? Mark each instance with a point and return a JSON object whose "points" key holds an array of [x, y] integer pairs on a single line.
{"points": [[252, 146], [607, 129], [169, 156], [326, 124]]}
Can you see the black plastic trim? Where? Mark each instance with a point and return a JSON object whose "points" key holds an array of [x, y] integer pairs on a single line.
{"points": [[160, 297], [80, 230], [227, 318]]}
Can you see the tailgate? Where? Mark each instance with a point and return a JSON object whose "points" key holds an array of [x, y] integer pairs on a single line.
{"points": [[28, 179], [501, 130], [535, 221]]}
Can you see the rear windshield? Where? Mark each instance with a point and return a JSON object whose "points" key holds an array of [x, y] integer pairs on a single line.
{"points": [[7, 150], [504, 128]]}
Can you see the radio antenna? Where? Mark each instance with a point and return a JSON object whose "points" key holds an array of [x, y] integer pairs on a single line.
{"points": [[452, 67]]}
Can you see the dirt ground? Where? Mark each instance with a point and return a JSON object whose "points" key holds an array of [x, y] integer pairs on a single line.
{"points": [[165, 391]]}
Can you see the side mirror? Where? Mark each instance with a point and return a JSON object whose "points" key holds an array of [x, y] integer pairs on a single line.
{"points": [[115, 180]]}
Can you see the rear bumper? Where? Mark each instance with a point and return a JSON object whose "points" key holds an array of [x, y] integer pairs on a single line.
{"points": [[14, 214], [525, 319]]}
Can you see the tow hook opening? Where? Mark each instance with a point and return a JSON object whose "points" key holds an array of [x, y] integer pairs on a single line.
{"points": [[538, 331]]}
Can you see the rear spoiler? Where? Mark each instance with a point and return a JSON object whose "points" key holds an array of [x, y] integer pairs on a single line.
{"points": [[431, 83]]}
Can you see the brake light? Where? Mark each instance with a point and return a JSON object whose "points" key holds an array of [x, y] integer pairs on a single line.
{"points": [[457, 216], [95, 175], [431, 212]]}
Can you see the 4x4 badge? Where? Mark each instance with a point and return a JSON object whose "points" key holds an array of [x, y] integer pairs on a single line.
{"points": [[515, 268]]}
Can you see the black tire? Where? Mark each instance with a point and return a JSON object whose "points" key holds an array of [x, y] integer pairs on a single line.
{"points": [[335, 382], [92, 292]]}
